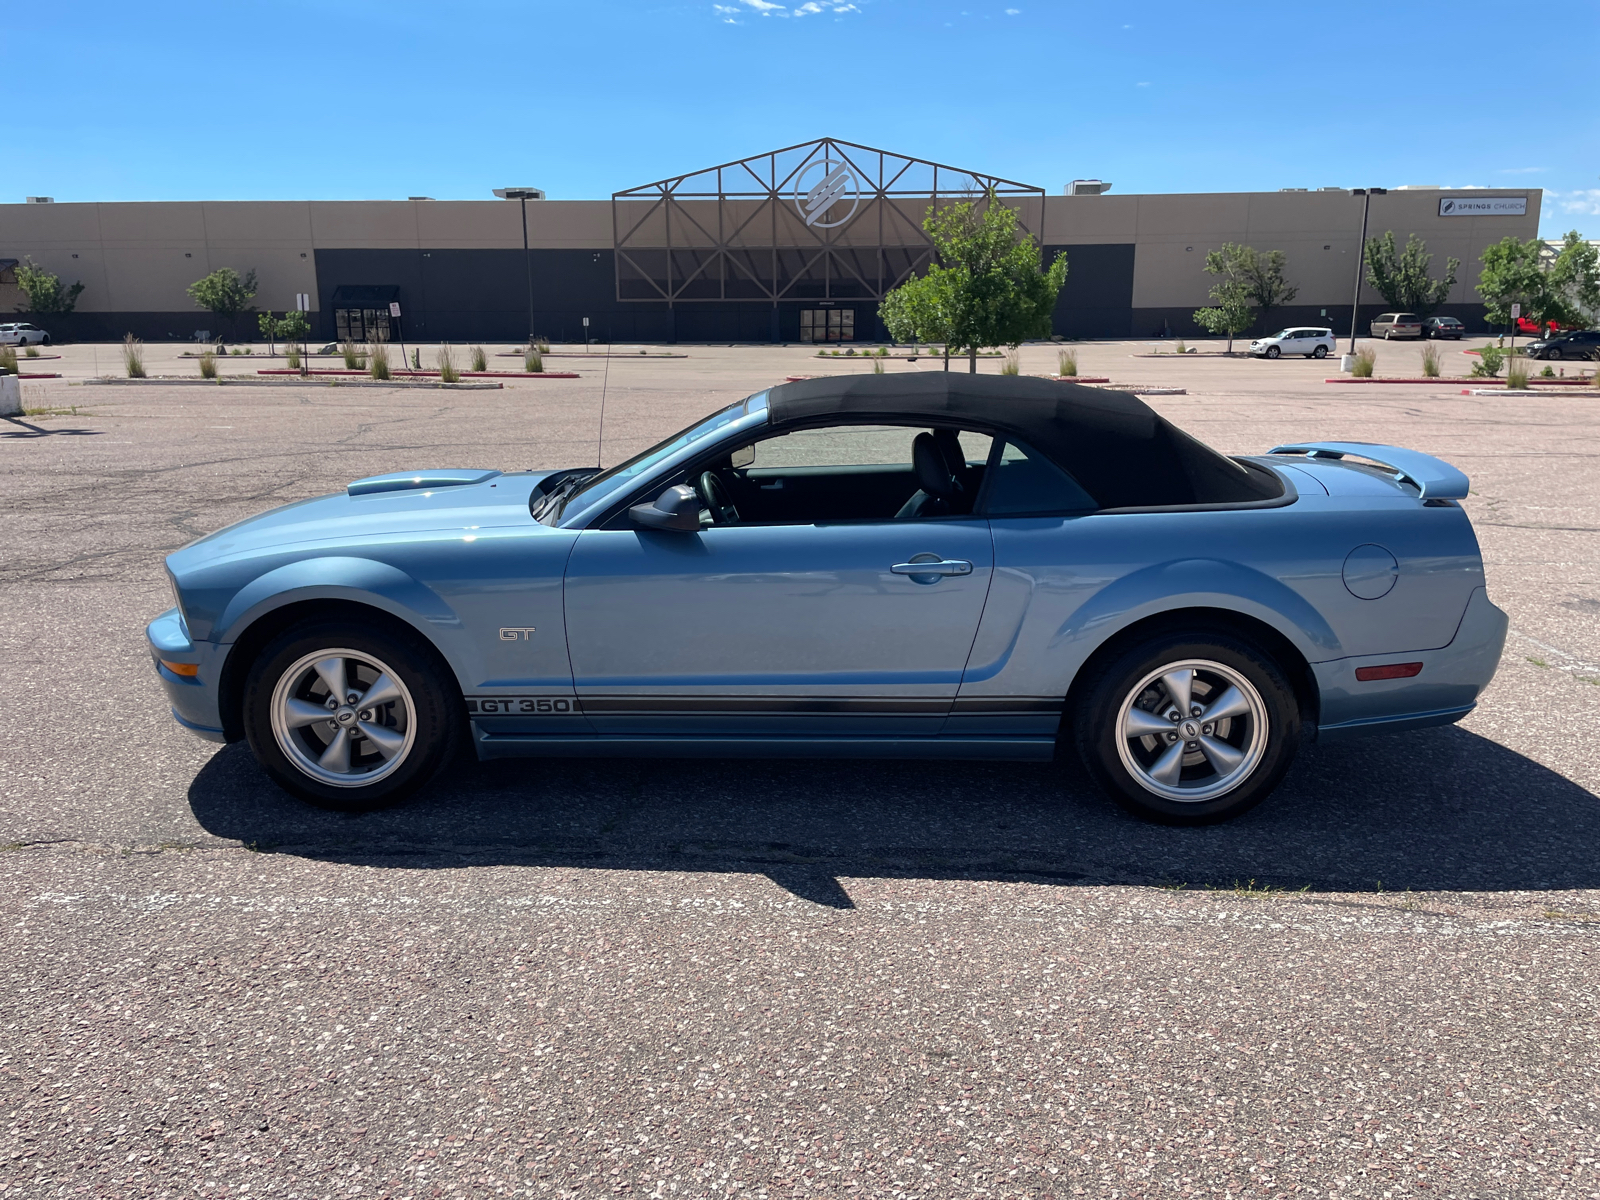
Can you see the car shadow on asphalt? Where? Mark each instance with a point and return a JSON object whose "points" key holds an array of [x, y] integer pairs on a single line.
{"points": [[1433, 810]]}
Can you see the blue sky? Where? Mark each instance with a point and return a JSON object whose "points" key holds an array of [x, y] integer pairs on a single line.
{"points": [[359, 99]]}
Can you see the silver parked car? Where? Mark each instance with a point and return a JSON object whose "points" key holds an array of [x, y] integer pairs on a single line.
{"points": [[1393, 325]]}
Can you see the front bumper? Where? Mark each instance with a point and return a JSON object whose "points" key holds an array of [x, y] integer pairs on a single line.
{"points": [[193, 698], [1446, 689]]}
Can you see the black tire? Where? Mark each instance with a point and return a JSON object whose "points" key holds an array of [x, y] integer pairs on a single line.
{"points": [[45, 341], [1272, 352], [429, 718], [1121, 683], [1320, 352], [1553, 352]]}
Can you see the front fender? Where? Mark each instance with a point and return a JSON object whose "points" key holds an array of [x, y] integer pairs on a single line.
{"points": [[362, 580]]}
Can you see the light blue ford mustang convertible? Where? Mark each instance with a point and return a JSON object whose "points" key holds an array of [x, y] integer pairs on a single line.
{"points": [[907, 566]]}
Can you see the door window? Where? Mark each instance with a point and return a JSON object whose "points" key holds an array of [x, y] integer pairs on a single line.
{"points": [[827, 324]]}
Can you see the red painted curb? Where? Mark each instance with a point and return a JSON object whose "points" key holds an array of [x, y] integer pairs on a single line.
{"points": [[1481, 381], [40, 375], [410, 374]]}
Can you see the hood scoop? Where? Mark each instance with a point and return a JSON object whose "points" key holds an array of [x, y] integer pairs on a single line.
{"points": [[412, 481]]}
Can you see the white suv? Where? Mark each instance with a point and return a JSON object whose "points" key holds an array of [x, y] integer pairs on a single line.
{"points": [[23, 334], [1313, 343]]}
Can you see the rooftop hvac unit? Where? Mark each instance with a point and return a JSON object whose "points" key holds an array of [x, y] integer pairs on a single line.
{"points": [[1087, 187], [39, 200]]}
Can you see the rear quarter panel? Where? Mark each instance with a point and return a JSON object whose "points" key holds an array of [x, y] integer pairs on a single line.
{"points": [[1063, 586]]}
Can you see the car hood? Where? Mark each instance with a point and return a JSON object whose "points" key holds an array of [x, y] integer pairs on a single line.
{"points": [[414, 502]]}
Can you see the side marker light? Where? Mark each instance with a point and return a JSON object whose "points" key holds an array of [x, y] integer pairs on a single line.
{"points": [[1388, 671], [188, 670]]}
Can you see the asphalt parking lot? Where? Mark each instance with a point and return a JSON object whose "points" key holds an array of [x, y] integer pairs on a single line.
{"points": [[775, 978]]}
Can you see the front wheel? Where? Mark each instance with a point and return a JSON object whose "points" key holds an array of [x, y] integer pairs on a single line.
{"points": [[1273, 352], [1188, 730], [1553, 352], [350, 718]]}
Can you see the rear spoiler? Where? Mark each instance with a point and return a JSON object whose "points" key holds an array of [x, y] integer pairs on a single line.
{"points": [[1433, 477]]}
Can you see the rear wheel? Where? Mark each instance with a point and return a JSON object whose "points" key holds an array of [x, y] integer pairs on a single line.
{"points": [[1188, 729], [1320, 352], [350, 718]]}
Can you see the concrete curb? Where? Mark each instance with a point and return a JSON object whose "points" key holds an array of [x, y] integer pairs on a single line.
{"points": [[297, 381], [10, 396]]}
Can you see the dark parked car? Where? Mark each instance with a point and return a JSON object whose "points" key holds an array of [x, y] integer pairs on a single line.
{"points": [[1577, 343], [1443, 327]]}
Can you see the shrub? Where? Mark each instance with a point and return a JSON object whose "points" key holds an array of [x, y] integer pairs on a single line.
{"points": [[1067, 363], [32, 352], [1013, 362], [447, 366], [291, 355], [883, 352], [532, 360], [352, 356], [480, 359], [8, 360], [133, 356], [877, 365], [541, 344], [416, 359], [208, 364], [1430, 361], [1517, 377], [1182, 348], [1366, 360], [378, 360], [1490, 360], [1547, 373]]}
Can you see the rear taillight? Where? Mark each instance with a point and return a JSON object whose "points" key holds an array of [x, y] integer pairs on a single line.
{"points": [[1388, 671]]}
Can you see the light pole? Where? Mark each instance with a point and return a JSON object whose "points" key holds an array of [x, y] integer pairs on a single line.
{"points": [[524, 194], [1361, 255]]}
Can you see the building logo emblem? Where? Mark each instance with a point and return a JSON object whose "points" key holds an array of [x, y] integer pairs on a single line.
{"points": [[837, 185]]}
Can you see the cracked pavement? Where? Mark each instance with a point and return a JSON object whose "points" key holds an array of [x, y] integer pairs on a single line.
{"points": [[571, 978]]}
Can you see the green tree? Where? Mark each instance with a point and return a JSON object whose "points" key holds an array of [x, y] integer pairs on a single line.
{"points": [[269, 326], [1265, 285], [1230, 312], [987, 283], [44, 291], [1510, 275], [225, 292], [294, 326], [916, 312], [1401, 276], [1572, 284]]}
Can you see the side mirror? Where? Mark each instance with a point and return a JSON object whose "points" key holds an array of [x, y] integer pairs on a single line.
{"points": [[742, 457], [676, 509]]}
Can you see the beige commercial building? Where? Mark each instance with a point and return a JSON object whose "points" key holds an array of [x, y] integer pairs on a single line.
{"points": [[796, 245]]}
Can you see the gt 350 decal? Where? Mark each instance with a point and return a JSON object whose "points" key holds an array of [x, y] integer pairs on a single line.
{"points": [[522, 705]]}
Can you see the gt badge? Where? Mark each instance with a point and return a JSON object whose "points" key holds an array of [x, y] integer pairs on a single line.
{"points": [[516, 635]]}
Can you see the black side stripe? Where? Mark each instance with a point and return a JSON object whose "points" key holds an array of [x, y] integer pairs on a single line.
{"points": [[775, 705]]}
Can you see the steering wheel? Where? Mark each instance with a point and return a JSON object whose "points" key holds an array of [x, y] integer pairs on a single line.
{"points": [[716, 499]]}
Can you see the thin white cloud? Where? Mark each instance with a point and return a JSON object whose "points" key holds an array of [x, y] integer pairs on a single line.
{"points": [[1013, 12], [1583, 202], [1521, 171], [766, 8], [1142, 83], [812, 7]]}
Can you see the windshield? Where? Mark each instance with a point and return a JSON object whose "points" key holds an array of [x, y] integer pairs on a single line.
{"points": [[604, 485]]}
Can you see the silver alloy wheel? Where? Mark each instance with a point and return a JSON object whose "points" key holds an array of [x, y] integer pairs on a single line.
{"points": [[343, 718], [1192, 730]]}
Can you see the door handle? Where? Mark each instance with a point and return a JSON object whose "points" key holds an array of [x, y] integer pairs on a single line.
{"points": [[925, 568], [771, 487]]}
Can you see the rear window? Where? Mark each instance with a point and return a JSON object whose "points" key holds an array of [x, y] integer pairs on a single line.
{"points": [[1386, 317], [1409, 318]]}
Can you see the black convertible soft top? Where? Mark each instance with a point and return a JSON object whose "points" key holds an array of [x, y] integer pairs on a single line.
{"points": [[1123, 454]]}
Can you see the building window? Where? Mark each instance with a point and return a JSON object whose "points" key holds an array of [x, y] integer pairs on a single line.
{"points": [[362, 324], [827, 324]]}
